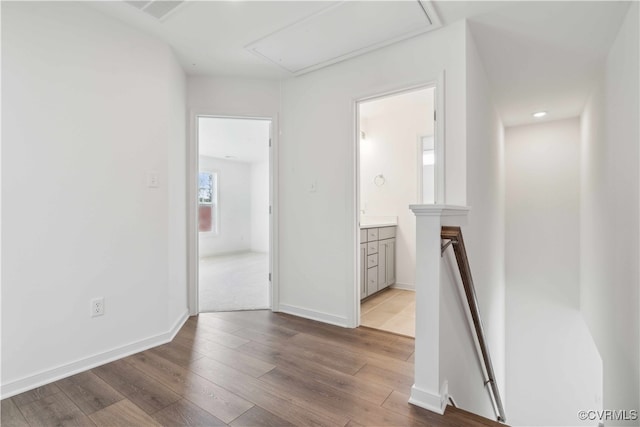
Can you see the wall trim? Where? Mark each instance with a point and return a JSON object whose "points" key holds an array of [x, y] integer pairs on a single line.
{"points": [[314, 315], [404, 286], [50, 375], [428, 400]]}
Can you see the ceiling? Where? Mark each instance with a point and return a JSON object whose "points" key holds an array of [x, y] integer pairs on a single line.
{"points": [[538, 55], [545, 56], [240, 140]]}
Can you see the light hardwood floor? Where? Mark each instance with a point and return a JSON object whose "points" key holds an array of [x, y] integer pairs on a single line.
{"points": [[392, 310], [253, 368]]}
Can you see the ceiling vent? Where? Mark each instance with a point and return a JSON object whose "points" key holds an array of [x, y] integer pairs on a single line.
{"points": [[342, 31], [159, 9]]}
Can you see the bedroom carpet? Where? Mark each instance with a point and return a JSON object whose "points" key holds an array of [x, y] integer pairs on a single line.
{"points": [[234, 282]]}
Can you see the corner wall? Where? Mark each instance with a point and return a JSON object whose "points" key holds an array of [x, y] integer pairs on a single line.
{"points": [[89, 106], [610, 219]]}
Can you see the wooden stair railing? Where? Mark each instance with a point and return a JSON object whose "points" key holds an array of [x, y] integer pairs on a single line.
{"points": [[453, 236]]}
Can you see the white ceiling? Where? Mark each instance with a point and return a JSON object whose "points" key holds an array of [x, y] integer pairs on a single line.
{"points": [[538, 55], [545, 55], [209, 37], [241, 140]]}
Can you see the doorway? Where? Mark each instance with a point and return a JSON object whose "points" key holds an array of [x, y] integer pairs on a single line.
{"points": [[233, 213], [396, 156]]}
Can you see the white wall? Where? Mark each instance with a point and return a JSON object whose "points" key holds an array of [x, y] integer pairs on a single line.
{"points": [[234, 208], [317, 145], [79, 218], [542, 203], [609, 226], [260, 205], [391, 148], [553, 367], [484, 240], [233, 96]]}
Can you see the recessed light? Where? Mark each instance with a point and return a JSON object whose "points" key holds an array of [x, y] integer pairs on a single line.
{"points": [[539, 114]]}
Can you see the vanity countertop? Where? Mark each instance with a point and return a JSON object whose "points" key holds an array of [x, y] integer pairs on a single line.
{"points": [[378, 221], [380, 224]]}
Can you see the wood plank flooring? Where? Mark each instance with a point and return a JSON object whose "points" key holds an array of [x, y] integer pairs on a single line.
{"points": [[252, 368]]}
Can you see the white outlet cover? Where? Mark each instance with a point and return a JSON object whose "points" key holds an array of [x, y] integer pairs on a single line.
{"points": [[96, 307]]}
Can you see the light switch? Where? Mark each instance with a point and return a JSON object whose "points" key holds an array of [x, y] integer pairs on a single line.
{"points": [[153, 180]]}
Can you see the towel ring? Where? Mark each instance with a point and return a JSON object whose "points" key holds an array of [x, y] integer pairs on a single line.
{"points": [[379, 180]]}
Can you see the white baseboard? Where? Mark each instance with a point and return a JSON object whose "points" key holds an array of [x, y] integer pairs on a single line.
{"points": [[50, 375], [404, 286], [314, 315], [428, 400]]}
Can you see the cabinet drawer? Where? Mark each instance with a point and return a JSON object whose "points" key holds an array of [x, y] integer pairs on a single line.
{"points": [[386, 232], [372, 248], [372, 280], [372, 234], [363, 235], [372, 260]]}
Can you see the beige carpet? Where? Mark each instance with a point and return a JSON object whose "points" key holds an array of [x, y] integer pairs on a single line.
{"points": [[234, 282]]}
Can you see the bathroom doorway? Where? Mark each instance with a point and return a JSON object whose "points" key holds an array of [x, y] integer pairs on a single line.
{"points": [[396, 164]]}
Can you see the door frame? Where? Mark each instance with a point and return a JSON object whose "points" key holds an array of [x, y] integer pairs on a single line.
{"points": [[192, 206], [438, 82]]}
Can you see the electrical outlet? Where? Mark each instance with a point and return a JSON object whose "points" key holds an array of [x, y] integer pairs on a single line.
{"points": [[153, 180], [97, 307]]}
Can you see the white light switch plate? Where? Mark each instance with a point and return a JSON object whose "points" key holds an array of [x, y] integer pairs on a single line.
{"points": [[153, 180]]}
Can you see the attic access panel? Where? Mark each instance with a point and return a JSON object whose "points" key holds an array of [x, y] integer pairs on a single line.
{"points": [[342, 31], [159, 9]]}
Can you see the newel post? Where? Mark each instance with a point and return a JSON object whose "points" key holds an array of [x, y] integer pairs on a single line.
{"points": [[428, 391]]}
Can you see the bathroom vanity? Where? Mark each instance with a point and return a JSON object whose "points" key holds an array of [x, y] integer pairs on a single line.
{"points": [[377, 258]]}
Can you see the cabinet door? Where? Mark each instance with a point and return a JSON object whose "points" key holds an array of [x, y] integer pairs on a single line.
{"points": [[363, 270], [382, 263], [372, 280], [390, 261]]}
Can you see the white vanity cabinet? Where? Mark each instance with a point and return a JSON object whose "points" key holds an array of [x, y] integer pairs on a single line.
{"points": [[377, 259], [363, 269], [386, 262]]}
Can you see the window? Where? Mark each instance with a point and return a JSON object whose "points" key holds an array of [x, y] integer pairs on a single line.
{"points": [[428, 169], [208, 202]]}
